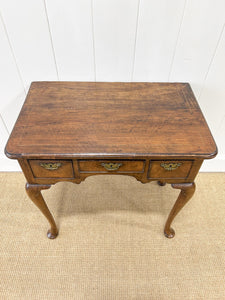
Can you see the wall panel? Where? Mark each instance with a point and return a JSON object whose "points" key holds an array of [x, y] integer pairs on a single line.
{"points": [[158, 28], [114, 38], [212, 100], [28, 32], [11, 87], [72, 35], [200, 31]]}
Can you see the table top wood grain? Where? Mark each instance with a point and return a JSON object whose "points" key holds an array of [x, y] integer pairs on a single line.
{"points": [[79, 119]]}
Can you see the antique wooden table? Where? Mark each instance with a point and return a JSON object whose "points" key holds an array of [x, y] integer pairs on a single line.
{"points": [[67, 131]]}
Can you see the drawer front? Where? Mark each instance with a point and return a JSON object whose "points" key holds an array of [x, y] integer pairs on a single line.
{"points": [[168, 169], [111, 166], [52, 168]]}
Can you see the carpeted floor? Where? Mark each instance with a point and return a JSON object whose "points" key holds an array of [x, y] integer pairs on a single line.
{"points": [[111, 243]]}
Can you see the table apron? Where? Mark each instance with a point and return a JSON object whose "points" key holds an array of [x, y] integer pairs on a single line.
{"points": [[48, 171]]}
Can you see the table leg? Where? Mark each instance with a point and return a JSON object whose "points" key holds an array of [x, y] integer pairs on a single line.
{"points": [[34, 193], [187, 191], [161, 183]]}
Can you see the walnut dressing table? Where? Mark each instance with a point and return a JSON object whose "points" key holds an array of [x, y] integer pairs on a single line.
{"points": [[67, 131]]}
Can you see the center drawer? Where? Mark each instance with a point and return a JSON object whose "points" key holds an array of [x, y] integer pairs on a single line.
{"points": [[111, 166]]}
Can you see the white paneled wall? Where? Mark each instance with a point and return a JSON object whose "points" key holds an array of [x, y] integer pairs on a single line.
{"points": [[158, 27], [71, 27], [113, 40], [12, 91], [198, 38], [114, 29], [28, 31]]}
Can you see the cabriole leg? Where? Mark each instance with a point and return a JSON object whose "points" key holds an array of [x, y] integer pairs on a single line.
{"points": [[187, 191], [34, 193]]}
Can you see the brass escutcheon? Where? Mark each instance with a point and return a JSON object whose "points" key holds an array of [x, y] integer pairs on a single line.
{"points": [[170, 166], [50, 166], [111, 166]]}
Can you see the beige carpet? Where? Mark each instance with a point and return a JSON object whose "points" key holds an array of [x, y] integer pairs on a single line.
{"points": [[111, 243]]}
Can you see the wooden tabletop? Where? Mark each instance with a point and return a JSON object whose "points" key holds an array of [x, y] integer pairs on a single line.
{"points": [[79, 119]]}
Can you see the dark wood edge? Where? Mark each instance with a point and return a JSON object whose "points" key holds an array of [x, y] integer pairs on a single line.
{"points": [[127, 156]]}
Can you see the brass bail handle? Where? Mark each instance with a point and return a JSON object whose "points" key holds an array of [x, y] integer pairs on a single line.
{"points": [[50, 166], [111, 166], [170, 166]]}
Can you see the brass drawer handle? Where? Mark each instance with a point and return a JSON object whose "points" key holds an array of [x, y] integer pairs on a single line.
{"points": [[170, 166], [111, 166], [51, 166]]}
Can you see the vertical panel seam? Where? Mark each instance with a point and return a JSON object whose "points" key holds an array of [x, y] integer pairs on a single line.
{"points": [[13, 53], [211, 61], [178, 37], [220, 124], [93, 39], [51, 39], [4, 124], [135, 41]]}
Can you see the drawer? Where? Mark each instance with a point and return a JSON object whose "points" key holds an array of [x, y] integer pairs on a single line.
{"points": [[111, 166], [52, 168], [168, 169]]}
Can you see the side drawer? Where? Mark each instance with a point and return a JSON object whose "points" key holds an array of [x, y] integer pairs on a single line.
{"points": [[169, 169], [111, 166], [52, 168]]}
